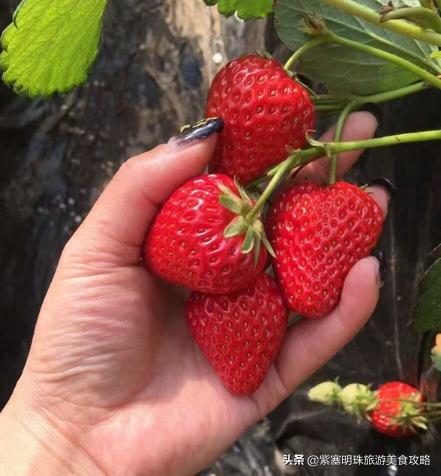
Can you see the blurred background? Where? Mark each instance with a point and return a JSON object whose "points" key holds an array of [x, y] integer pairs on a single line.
{"points": [[152, 75]]}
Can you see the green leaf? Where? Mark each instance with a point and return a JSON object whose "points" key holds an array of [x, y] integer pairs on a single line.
{"points": [[432, 277], [257, 246], [244, 9], [428, 309], [230, 203], [51, 45], [248, 244], [267, 245], [344, 70], [238, 226]]}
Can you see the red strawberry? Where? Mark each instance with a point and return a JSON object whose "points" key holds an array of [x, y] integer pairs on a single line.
{"points": [[186, 244], [318, 233], [240, 333], [266, 114], [396, 418]]}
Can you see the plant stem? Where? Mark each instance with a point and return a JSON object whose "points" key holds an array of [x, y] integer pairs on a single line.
{"points": [[277, 178], [383, 141], [390, 95], [435, 420], [357, 103], [326, 103], [303, 157], [418, 403], [328, 107], [427, 404], [329, 97], [431, 415], [337, 138], [297, 159], [422, 73], [399, 26], [427, 17], [302, 50]]}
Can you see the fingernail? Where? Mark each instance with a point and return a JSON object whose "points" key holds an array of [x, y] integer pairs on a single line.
{"points": [[198, 131], [381, 257], [385, 183], [375, 110]]}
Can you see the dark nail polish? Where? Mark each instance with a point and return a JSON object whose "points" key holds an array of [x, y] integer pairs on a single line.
{"points": [[381, 257], [374, 109], [387, 184], [199, 130]]}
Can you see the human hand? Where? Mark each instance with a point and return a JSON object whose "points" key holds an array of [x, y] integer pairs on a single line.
{"points": [[114, 384]]}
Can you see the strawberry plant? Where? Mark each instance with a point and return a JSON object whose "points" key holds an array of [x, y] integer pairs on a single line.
{"points": [[217, 233], [395, 409]]}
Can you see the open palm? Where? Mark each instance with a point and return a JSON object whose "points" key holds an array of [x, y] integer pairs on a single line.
{"points": [[112, 365]]}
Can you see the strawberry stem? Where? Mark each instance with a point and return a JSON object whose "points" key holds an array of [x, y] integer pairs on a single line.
{"points": [[425, 17], [333, 103], [430, 415], [356, 103], [434, 420], [327, 107], [302, 50], [383, 141], [422, 404], [295, 160], [337, 138], [390, 95], [320, 149], [399, 26]]}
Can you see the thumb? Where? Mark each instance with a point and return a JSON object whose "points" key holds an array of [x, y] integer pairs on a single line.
{"points": [[116, 226]]}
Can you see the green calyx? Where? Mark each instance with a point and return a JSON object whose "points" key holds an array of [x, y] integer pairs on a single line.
{"points": [[244, 224], [357, 399], [411, 414]]}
